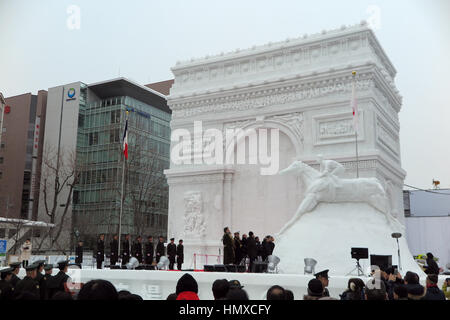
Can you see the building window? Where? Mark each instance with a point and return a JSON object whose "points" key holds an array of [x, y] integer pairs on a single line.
{"points": [[115, 116], [2, 145], [1, 174], [93, 138], [114, 136], [1, 160]]}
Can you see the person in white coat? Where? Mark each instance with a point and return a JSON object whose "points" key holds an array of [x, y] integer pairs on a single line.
{"points": [[25, 254]]}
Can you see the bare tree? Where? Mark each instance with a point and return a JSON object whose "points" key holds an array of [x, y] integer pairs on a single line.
{"points": [[58, 178]]}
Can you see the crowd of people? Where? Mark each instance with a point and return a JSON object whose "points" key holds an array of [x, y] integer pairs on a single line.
{"points": [[236, 249], [146, 253], [40, 284]]}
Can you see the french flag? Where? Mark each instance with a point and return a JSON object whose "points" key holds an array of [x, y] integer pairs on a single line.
{"points": [[125, 140]]}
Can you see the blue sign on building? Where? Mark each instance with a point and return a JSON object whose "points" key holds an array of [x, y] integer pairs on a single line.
{"points": [[3, 244]]}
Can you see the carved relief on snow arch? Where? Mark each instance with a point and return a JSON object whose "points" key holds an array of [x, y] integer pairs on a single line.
{"points": [[194, 220], [294, 121]]}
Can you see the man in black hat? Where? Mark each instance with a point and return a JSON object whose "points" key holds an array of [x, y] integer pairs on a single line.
{"points": [[40, 278], [180, 254], [315, 290], [126, 250], [171, 252], [149, 251], [56, 283], [114, 245], [6, 289], [28, 283], [100, 251], [160, 249], [137, 249], [15, 279], [323, 277], [48, 270], [79, 253]]}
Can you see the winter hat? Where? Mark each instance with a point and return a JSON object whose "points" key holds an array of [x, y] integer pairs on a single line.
{"points": [[187, 295], [187, 283], [315, 288]]}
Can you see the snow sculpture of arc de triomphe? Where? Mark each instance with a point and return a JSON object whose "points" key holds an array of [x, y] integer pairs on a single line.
{"points": [[302, 87]]}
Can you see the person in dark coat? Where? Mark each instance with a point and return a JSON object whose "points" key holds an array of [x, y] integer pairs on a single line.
{"points": [[114, 245], [252, 250], [56, 282], [137, 249], [244, 246], [160, 249], [268, 247], [149, 251], [323, 277], [16, 270], [259, 248], [40, 279], [48, 270], [28, 284], [171, 253], [237, 249], [126, 250], [180, 254], [228, 247], [6, 289], [79, 253], [100, 256], [432, 266], [433, 292]]}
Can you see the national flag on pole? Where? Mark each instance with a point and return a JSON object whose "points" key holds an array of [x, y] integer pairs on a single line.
{"points": [[354, 105], [125, 139]]}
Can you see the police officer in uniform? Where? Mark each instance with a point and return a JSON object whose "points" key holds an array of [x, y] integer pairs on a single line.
{"points": [[79, 253], [48, 269], [100, 251], [15, 279], [28, 284], [56, 283], [323, 277], [126, 250], [40, 279], [149, 250], [171, 252], [137, 249], [180, 254], [160, 249], [114, 250], [6, 288]]}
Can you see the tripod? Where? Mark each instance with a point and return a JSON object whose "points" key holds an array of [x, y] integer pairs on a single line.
{"points": [[358, 267]]}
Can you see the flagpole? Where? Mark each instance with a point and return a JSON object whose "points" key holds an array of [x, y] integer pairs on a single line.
{"points": [[121, 198], [356, 131]]}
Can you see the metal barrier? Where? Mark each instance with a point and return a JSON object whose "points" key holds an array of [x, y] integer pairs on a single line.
{"points": [[206, 256]]}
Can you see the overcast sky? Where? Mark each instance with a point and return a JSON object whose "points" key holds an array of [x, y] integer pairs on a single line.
{"points": [[42, 45]]}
